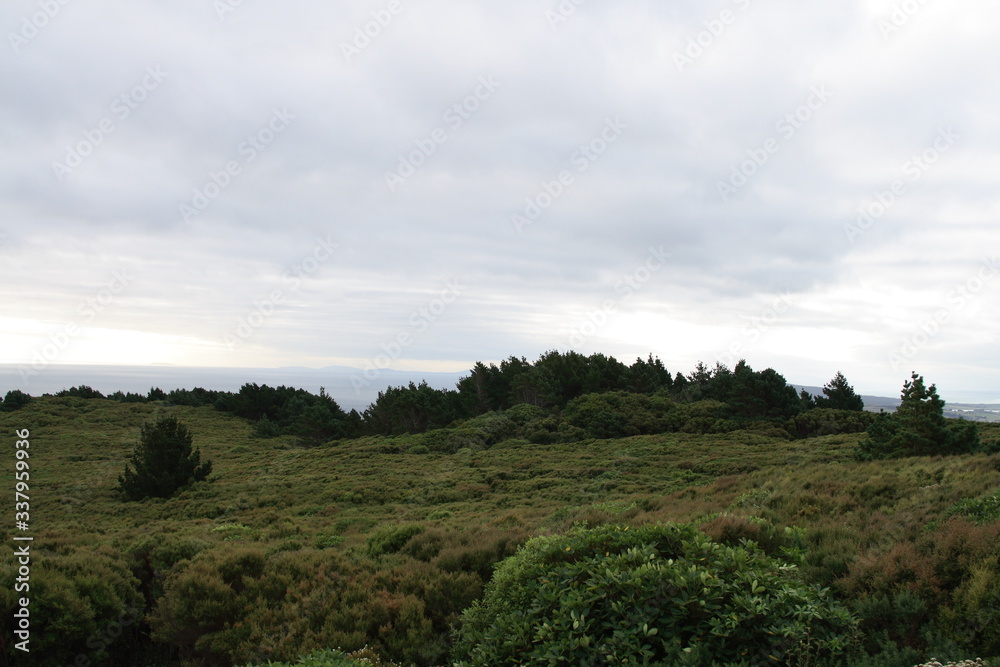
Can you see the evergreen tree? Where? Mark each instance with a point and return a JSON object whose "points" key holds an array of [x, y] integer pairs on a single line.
{"points": [[15, 400], [163, 462], [918, 428], [839, 395]]}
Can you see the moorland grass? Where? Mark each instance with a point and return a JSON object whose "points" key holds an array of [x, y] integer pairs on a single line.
{"points": [[387, 542]]}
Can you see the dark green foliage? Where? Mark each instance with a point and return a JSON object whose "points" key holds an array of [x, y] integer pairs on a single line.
{"points": [[839, 395], [917, 428], [289, 411], [658, 594], [128, 397], [334, 658], [194, 398], [763, 395], [163, 462], [84, 602], [390, 539], [14, 400], [156, 394], [828, 421], [411, 409], [83, 391], [239, 605], [555, 379], [619, 414]]}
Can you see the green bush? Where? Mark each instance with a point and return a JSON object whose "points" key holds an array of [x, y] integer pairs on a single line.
{"points": [[83, 603], [978, 510], [827, 421], [660, 594], [335, 658], [390, 539]]}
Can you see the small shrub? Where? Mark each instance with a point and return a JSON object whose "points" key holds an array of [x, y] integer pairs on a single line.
{"points": [[979, 510], [390, 539], [365, 657]]}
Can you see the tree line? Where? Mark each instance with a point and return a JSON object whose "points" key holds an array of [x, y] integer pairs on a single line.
{"points": [[567, 396], [551, 383]]}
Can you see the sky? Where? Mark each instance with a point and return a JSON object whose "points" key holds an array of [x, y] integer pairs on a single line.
{"points": [[417, 186]]}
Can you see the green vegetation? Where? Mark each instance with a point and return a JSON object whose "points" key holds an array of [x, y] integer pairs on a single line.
{"points": [[661, 594], [918, 428], [163, 462], [383, 547], [14, 400]]}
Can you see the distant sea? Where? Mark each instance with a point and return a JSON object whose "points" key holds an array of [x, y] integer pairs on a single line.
{"points": [[140, 379]]}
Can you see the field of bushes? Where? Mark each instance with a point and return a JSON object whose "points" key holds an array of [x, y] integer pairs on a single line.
{"points": [[375, 545]]}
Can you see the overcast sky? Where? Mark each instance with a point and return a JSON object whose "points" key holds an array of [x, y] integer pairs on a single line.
{"points": [[420, 185]]}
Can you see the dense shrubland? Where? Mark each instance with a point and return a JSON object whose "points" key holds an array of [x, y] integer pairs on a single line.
{"points": [[355, 544]]}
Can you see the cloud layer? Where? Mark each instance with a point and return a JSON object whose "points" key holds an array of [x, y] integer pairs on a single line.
{"points": [[429, 184]]}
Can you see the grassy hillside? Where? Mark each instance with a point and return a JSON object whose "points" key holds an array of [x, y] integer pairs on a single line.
{"points": [[379, 542]]}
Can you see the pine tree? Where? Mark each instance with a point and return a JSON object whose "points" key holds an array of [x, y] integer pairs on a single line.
{"points": [[839, 395], [918, 428], [163, 462]]}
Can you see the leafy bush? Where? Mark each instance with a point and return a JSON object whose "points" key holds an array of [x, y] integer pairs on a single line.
{"points": [[618, 414], [662, 594], [238, 605], [335, 658], [827, 421], [83, 603], [979, 510], [390, 539]]}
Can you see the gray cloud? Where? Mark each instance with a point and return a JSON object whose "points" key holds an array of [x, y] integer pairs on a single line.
{"points": [[738, 113]]}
